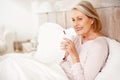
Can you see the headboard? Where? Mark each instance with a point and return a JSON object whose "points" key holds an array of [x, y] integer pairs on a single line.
{"points": [[60, 17], [110, 17]]}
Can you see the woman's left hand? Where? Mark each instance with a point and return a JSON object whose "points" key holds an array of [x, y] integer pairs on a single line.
{"points": [[69, 47]]}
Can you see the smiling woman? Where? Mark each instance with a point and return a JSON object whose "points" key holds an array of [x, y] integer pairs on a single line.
{"points": [[81, 22], [81, 54]]}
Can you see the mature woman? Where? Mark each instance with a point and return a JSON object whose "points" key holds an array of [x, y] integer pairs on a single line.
{"points": [[86, 53]]}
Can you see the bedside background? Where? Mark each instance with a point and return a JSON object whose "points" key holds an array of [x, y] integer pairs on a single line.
{"points": [[21, 19]]}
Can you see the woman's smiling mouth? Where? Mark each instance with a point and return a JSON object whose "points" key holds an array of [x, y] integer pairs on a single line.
{"points": [[78, 28]]}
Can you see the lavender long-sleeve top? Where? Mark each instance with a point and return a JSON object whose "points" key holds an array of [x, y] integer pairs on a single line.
{"points": [[93, 55]]}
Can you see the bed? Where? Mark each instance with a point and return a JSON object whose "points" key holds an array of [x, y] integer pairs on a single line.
{"points": [[111, 27]]}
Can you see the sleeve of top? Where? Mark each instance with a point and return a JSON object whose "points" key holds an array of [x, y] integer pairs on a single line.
{"points": [[96, 57]]}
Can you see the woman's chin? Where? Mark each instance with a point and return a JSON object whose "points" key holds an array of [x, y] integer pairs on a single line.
{"points": [[79, 34]]}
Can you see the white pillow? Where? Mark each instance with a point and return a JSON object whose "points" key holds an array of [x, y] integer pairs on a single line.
{"points": [[49, 39], [111, 70]]}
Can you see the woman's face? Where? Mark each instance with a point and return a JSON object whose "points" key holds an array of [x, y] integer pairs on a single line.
{"points": [[81, 23]]}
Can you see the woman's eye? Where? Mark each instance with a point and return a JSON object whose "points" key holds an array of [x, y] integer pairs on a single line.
{"points": [[79, 18], [73, 19]]}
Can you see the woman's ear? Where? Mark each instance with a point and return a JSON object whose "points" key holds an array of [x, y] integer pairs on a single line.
{"points": [[92, 20]]}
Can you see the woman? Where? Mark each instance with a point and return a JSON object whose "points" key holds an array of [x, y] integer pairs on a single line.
{"points": [[86, 54]]}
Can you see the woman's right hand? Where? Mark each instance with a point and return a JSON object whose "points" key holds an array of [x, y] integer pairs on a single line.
{"points": [[70, 49]]}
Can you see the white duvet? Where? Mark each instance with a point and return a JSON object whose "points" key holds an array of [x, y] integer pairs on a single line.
{"points": [[43, 65], [24, 67]]}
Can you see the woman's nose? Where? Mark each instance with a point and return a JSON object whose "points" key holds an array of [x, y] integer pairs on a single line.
{"points": [[76, 23]]}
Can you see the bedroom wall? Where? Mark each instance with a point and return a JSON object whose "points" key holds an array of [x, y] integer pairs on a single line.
{"points": [[17, 16]]}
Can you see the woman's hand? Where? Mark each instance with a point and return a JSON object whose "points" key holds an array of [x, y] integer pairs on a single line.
{"points": [[70, 49]]}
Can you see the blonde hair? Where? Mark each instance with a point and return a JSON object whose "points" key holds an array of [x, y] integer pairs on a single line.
{"points": [[87, 8]]}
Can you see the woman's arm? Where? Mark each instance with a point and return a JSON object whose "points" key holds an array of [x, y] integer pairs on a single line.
{"points": [[95, 59]]}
